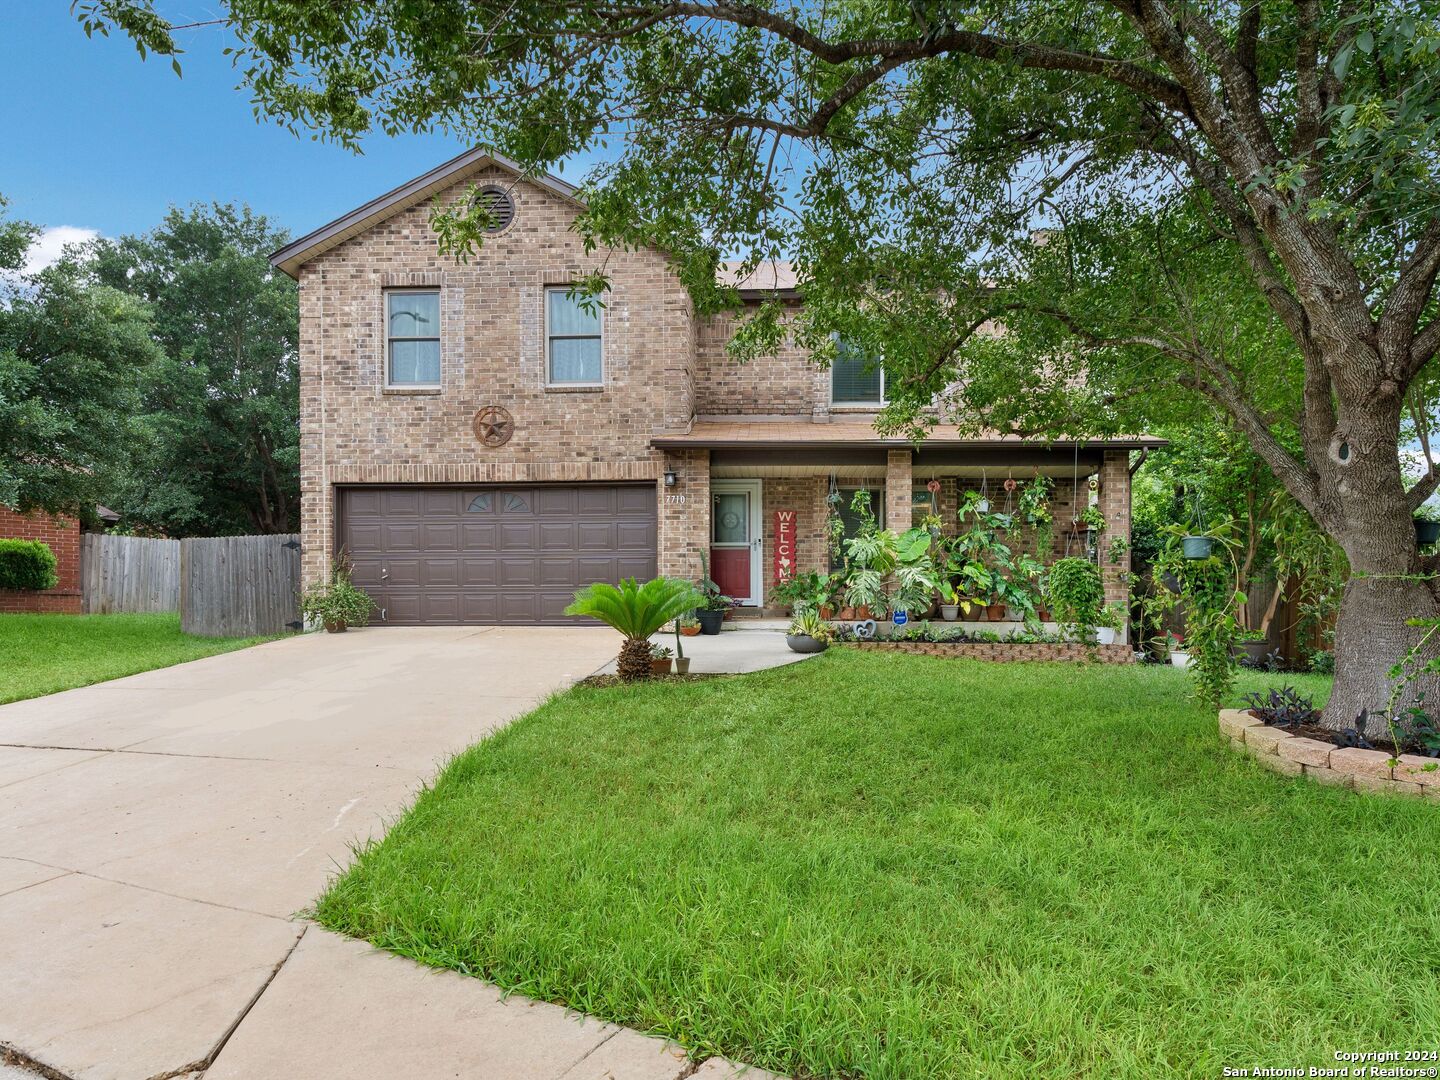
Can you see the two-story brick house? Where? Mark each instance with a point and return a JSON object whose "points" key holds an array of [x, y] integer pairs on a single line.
{"points": [[479, 443]]}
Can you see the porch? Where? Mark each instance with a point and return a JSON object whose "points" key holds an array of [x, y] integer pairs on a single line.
{"points": [[750, 500]]}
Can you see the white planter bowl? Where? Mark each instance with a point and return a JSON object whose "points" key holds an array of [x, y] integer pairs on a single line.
{"points": [[1179, 658]]}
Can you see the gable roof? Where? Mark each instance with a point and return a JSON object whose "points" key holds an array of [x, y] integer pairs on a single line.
{"points": [[298, 252]]}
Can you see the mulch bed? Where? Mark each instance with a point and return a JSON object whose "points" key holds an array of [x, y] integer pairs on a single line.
{"points": [[1325, 735]]}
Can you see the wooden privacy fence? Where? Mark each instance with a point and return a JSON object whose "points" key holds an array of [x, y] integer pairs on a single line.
{"points": [[240, 586], [128, 573]]}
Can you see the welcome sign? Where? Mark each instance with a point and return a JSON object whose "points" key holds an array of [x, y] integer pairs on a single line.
{"points": [[784, 545]]}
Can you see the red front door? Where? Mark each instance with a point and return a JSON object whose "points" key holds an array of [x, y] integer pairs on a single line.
{"points": [[732, 540]]}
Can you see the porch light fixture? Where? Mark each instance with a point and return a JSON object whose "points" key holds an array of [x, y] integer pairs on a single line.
{"points": [[669, 477]]}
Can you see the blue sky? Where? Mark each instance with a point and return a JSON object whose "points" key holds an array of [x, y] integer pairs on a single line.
{"points": [[96, 139]]}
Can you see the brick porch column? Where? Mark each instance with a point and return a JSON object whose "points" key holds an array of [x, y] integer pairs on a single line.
{"points": [[684, 514], [897, 490], [1115, 505]]}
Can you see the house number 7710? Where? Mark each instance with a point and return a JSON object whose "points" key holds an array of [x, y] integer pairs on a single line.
{"points": [[673, 500]]}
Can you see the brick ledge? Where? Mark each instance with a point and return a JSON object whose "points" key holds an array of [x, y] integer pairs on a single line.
{"points": [[1325, 763], [1004, 650]]}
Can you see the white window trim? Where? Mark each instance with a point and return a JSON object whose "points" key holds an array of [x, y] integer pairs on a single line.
{"points": [[385, 295], [551, 384], [856, 404]]}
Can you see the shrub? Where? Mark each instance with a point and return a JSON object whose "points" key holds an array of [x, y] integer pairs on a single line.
{"points": [[338, 601], [1285, 707], [27, 564], [636, 611]]}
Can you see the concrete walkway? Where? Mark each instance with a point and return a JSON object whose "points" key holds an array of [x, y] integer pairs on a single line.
{"points": [[159, 833], [741, 647]]}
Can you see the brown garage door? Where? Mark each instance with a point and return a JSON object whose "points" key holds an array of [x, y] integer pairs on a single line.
{"points": [[493, 554]]}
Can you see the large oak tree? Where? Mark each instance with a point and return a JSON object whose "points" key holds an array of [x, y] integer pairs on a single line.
{"points": [[1163, 201]]}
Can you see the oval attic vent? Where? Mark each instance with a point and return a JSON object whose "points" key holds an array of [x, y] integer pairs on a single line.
{"points": [[500, 205]]}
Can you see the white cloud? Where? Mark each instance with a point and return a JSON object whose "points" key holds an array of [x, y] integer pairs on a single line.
{"points": [[51, 242]]}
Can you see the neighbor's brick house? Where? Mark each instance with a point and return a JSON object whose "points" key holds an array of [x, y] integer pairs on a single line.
{"points": [[478, 443], [63, 536]]}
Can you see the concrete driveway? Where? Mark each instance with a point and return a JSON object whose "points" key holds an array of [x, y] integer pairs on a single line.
{"points": [[158, 833]]}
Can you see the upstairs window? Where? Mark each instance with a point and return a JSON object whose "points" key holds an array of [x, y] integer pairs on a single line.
{"points": [[573, 354], [412, 329], [856, 378]]}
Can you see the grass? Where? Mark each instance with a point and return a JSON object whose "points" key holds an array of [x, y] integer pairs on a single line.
{"points": [[889, 866], [43, 654]]}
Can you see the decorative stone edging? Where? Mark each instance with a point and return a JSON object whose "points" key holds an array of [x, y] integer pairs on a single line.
{"points": [[1005, 650], [1347, 767]]}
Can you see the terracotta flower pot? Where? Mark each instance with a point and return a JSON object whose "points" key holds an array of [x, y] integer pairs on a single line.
{"points": [[689, 631], [336, 626], [863, 612], [660, 667], [995, 612], [847, 613], [827, 611]]}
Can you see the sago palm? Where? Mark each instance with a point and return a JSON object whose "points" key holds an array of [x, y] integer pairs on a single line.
{"points": [[636, 611]]}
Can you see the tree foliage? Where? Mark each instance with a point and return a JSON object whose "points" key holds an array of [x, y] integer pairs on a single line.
{"points": [[70, 354], [216, 439]]}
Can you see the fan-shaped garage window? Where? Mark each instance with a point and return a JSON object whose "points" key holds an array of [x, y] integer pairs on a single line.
{"points": [[517, 503], [499, 204], [480, 504]]}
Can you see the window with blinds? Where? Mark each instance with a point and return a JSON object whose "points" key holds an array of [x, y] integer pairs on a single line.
{"points": [[856, 378]]}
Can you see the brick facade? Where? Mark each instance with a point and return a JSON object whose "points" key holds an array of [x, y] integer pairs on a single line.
{"points": [[663, 368], [62, 534], [782, 384], [354, 430]]}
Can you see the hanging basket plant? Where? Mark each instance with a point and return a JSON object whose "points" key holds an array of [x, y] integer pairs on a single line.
{"points": [[1197, 547], [1197, 544]]}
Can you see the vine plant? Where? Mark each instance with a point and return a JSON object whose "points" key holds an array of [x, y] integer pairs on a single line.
{"points": [[1208, 588]]}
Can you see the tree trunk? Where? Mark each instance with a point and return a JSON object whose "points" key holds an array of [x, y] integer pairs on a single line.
{"points": [[1387, 587], [1371, 636], [634, 660]]}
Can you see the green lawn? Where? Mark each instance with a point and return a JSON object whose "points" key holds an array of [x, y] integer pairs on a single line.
{"points": [[874, 865], [41, 654]]}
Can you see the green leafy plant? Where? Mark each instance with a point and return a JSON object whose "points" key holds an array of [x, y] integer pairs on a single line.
{"points": [[636, 611], [337, 603], [1035, 511], [804, 591], [1211, 600], [809, 624], [27, 564], [1076, 593]]}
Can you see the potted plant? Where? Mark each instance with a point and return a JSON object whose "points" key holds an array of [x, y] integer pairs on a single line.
{"points": [[682, 662], [1178, 656], [711, 612], [337, 604], [951, 602], [1427, 525], [1196, 546], [688, 626], [660, 659], [1107, 626], [1253, 644], [808, 633]]}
